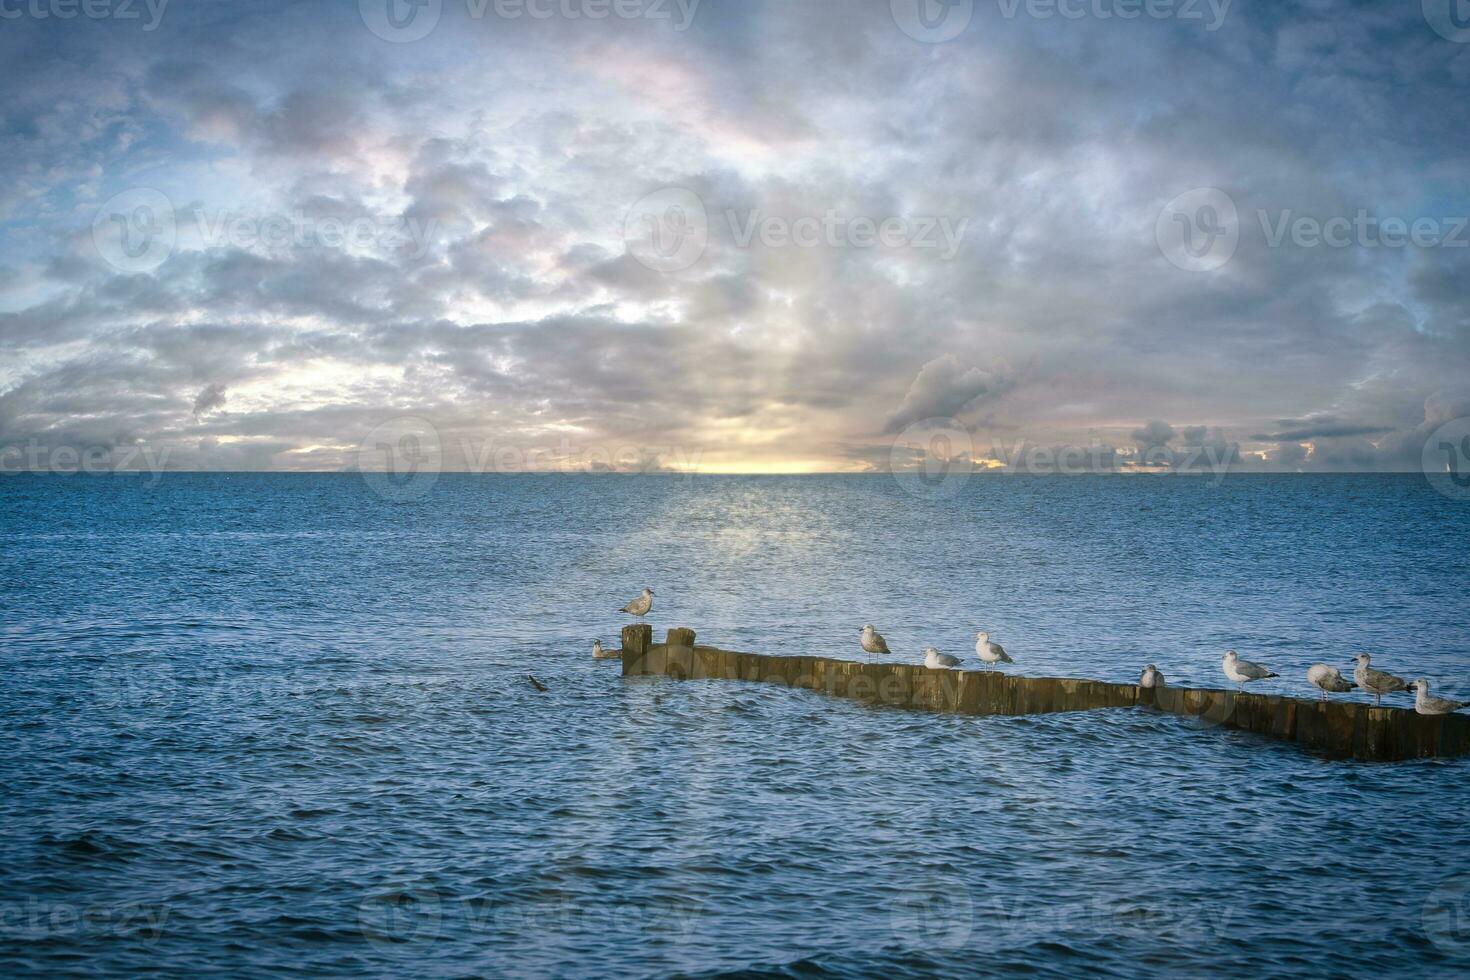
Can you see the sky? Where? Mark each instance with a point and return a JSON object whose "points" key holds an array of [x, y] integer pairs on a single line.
{"points": [[790, 236]]}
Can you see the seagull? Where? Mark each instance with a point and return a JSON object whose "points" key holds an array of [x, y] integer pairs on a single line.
{"points": [[639, 607], [990, 653], [873, 641], [1151, 677], [1425, 704], [1376, 682], [598, 653], [1328, 679], [939, 661], [1243, 671]]}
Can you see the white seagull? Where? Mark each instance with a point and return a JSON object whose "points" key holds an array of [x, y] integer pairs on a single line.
{"points": [[1376, 682], [639, 607], [872, 640], [1243, 671], [939, 661], [1425, 704], [1328, 679], [1151, 677], [598, 653], [990, 653]]}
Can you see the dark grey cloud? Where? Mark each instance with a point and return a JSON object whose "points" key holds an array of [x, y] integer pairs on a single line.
{"points": [[945, 389], [213, 396]]}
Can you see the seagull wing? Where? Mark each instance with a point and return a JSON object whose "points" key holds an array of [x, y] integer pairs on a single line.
{"points": [[1379, 680]]}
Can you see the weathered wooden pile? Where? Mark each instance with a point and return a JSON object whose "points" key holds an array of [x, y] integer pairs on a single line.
{"points": [[1341, 729]]}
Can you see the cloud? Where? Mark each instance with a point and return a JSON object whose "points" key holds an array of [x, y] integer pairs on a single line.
{"points": [[212, 397], [523, 316], [945, 389], [1322, 427]]}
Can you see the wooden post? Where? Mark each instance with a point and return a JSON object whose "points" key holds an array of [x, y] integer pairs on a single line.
{"points": [[679, 649], [637, 638]]}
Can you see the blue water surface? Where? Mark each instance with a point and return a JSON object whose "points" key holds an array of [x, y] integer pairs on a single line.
{"points": [[270, 724]]}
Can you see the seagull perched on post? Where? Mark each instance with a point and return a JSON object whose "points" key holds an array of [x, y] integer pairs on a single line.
{"points": [[1151, 677], [598, 653], [639, 607], [872, 640], [1243, 671], [1376, 682], [990, 653], [939, 661], [1426, 704], [1328, 679]]}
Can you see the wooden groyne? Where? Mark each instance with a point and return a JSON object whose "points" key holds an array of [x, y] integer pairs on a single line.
{"points": [[1339, 729]]}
